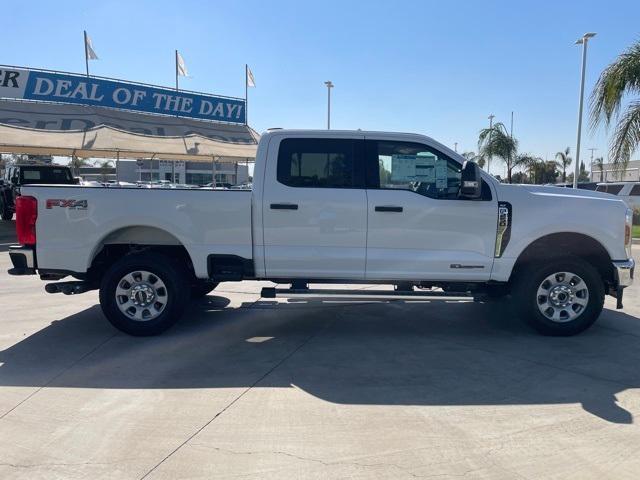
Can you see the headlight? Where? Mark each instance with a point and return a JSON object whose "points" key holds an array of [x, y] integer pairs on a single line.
{"points": [[628, 227]]}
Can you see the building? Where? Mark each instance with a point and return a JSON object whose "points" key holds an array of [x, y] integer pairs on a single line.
{"points": [[185, 172], [610, 174]]}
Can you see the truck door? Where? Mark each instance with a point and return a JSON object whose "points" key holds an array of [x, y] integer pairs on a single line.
{"points": [[418, 227], [314, 208]]}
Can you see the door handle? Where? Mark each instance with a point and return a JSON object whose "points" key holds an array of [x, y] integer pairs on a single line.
{"points": [[388, 208], [284, 206]]}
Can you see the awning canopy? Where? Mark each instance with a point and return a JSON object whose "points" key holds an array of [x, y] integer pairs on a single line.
{"points": [[83, 131]]}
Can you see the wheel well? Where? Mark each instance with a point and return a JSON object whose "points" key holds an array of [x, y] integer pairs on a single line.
{"points": [[558, 245], [137, 239]]}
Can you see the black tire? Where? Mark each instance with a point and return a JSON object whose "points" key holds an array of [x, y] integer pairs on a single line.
{"points": [[525, 295], [5, 211], [169, 272], [202, 288]]}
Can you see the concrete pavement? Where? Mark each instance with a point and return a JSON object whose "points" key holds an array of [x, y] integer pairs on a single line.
{"points": [[252, 388]]}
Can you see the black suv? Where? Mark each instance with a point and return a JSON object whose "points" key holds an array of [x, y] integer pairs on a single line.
{"points": [[16, 176]]}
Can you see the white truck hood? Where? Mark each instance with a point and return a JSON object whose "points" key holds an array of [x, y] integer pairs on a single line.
{"points": [[569, 192]]}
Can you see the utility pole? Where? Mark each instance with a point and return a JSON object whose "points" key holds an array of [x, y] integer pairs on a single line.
{"points": [[491, 117], [329, 87], [581, 41]]}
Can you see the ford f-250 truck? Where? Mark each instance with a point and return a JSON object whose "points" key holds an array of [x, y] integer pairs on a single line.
{"points": [[334, 207]]}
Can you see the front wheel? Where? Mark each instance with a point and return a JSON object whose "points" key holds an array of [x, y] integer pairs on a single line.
{"points": [[559, 297], [144, 294]]}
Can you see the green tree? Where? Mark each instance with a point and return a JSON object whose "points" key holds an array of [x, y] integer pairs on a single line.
{"points": [[564, 160], [76, 163], [598, 165], [542, 171], [479, 159], [616, 83], [520, 177], [496, 142], [105, 167]]}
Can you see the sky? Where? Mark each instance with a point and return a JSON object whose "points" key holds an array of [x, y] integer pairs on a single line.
{"points": [[432, 67]]}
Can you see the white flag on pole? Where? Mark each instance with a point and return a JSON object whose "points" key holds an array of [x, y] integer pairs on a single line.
{"points": [[90, 52], [251, 82], [181, 67]]}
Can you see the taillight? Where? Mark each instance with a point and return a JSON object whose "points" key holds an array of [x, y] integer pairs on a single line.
{"points": [[26, 216]]}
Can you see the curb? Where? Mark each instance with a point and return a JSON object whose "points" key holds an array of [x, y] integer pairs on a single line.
{"points": [[635, 241]]}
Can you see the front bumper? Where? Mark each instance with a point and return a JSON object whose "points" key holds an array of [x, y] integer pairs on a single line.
{"points": [[624, 271], [23, 259]]}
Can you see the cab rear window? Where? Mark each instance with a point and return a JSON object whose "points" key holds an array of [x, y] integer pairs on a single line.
{"points": [[45, 175], [612, 189]]}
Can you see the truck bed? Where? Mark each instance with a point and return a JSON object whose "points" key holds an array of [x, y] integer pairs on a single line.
{"points": [[203, 221]]}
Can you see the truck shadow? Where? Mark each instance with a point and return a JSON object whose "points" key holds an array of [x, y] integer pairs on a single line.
{"points": [[386, 353], [7, 234]]}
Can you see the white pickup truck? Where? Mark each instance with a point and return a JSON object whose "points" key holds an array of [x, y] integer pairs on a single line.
{"points": [[334, 207]]}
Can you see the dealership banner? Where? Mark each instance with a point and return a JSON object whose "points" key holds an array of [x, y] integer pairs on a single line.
{"points": [[27, 84]]}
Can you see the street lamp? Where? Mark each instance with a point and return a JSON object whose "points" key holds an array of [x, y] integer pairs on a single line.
{"points": [[329, 87], [581, 41]]}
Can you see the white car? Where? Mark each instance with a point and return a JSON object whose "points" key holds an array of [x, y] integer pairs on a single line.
{"points": [[334, 207], [627, 191]]}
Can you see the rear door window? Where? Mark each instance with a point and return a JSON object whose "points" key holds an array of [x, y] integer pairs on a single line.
{"points": [[320, 163], [635, 191]]}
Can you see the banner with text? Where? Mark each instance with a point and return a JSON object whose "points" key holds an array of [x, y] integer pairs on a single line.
{"points": [[69, 88]]}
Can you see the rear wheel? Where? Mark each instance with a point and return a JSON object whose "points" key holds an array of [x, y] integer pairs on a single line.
{"points": [[144, 294], [559, 297], [5, 211]]}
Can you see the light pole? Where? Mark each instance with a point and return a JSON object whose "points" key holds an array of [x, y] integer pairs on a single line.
{"points": [[491, 117], [329, 87], [455, 147], [581, 41]]}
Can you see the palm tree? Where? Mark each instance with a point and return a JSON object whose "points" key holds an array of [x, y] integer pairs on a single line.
{"points": [[76, 163], [496, 142], [598, 163], [105, 166], [616, 83], [479, 159], [564, 160], [528, 162]]}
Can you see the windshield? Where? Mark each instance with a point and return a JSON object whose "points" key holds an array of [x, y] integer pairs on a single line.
{"points": [[34, 175]]}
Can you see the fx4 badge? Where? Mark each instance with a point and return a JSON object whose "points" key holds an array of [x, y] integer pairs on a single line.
{"points": [[70, 204]]}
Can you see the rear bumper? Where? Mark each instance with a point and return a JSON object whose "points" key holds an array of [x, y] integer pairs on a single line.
{"points": [[624, 271], [23, 260]]}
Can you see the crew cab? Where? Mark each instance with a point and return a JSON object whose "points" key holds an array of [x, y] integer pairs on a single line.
{"points": [[15, 176], [334, 207]]}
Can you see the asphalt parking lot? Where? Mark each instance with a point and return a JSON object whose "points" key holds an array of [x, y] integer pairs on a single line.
{"points": [[247, 387]]}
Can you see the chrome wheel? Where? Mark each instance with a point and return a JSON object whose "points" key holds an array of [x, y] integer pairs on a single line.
{"points": [[562, 297], [141, 295]]}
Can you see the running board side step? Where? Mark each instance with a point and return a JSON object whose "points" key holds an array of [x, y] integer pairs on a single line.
{"points": [[272, 292], [68, 288]]}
